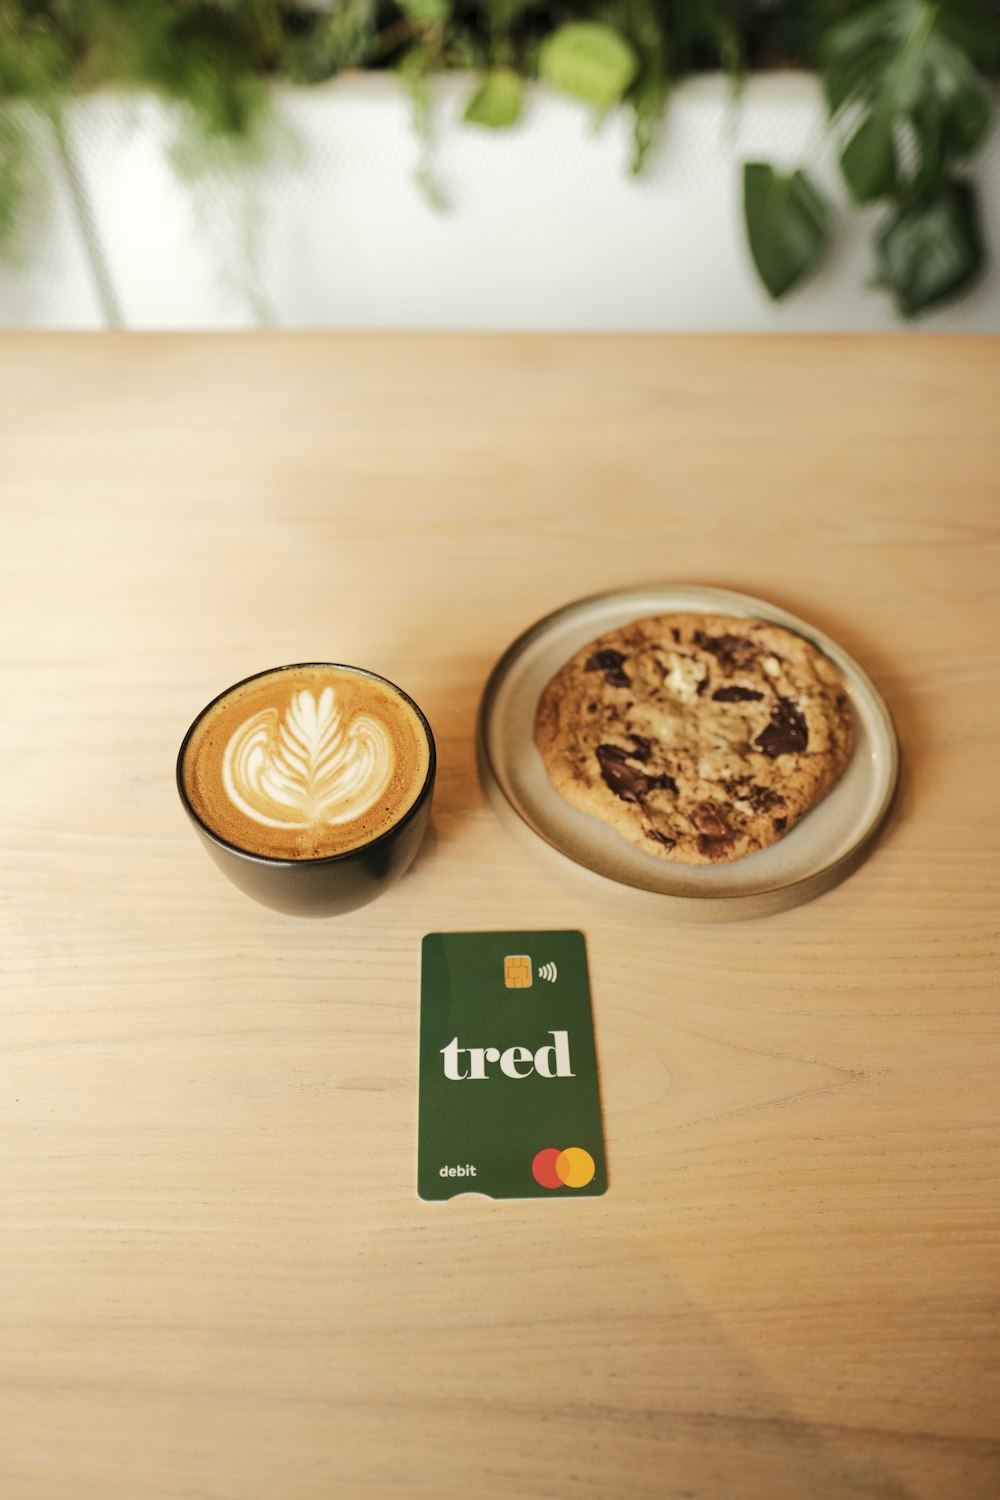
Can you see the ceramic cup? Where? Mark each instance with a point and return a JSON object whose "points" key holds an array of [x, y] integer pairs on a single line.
{"points": [[274, 751]]}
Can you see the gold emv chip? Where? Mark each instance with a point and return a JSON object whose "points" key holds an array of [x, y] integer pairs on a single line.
{"points": [[517, 971]]}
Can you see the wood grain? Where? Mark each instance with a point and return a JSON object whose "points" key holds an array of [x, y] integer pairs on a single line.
{"points": [[216, 1276]]}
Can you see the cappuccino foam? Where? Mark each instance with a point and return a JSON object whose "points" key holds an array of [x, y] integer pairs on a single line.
{"points": [[305, 762]]}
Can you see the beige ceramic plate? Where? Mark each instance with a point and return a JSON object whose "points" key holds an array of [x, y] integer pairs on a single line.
{"points": [[821, 850]]}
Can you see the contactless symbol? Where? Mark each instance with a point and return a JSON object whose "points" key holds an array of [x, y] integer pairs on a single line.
{"points": [[549, 972], [517, 971], [552, 1168]]}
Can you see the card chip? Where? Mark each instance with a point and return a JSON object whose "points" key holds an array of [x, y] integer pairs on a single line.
{"points": [[517, 971]]}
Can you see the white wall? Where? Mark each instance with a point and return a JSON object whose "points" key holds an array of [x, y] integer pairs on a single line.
{"points": [[546, 226]]}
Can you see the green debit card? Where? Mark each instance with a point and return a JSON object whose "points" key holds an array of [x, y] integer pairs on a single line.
{"points": [[509, 1098]]}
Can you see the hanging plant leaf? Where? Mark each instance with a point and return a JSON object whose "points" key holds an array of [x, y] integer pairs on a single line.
{"points": [[650, 87], [206, 61], [15, 160], [649, 101], [931, 250], [427, 12], [498, 101], [966, 119], [329, 41], [504, 14], [869, 161], [916, 63], [413, 69], [588, 61], [35, 62], [788, 225], [974, 26]]}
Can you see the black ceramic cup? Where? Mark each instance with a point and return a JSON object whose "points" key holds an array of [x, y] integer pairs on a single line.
{"points": [[329, 885]]}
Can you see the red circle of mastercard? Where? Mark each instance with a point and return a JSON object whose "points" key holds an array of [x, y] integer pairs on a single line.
{"points": [[552, 1168]]}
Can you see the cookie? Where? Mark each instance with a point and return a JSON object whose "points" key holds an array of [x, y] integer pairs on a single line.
{"points": [[698, 737]]}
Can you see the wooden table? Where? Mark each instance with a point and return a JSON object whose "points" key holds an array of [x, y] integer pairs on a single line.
{"points": [[217, 1279]]}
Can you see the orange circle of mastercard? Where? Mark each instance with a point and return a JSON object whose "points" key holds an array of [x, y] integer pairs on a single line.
{"points": [[552, 1168]]}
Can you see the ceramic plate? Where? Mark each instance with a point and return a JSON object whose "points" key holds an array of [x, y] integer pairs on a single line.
{"points": [[830, 841]]}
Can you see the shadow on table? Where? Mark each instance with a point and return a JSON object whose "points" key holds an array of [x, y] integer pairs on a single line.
{"points": [[604, 1379]]}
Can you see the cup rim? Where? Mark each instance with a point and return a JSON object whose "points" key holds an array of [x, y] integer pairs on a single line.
{"points": [[273, 861]]}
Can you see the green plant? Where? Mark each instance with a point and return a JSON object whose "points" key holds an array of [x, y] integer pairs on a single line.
{"points": [[910, 86]]}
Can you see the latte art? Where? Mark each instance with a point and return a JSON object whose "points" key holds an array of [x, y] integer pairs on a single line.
{"points": [[307, 767], [306, 762]]}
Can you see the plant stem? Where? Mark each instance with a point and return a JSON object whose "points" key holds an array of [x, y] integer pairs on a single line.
{"points": [[87, 226]]}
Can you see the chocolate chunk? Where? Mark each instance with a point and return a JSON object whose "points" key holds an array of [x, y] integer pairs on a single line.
{"points": [[677, 640], [703, 684], [760, 798], [736, 695], [714, 833], [628, 782], [779, 824], [604, 661], [624, 780], [787, 733], [661, 838], [643, 747], [610, 663], [763, 798], [709, 821], [734, 652]]}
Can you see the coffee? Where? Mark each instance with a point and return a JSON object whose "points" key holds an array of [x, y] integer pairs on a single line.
{"points": [[306, 762]]}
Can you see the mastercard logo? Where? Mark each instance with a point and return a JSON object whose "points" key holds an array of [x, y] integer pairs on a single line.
{"points": [[553, 1168]]}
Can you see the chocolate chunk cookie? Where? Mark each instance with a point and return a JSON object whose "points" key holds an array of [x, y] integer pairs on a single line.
{"points": [[700, 738]]}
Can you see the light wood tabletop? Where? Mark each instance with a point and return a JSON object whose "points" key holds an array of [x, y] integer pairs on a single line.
{"points": [[217, 1279]]}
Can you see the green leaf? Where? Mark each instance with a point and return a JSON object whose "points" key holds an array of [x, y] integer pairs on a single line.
{"points": [[931, 165], [337, 39], [498, 101], [931, 250], [13, 161], [788, 225], [35, 62], [649, 100], [207, 61], [975, 27], [504, 13], [869, 162], [650, 88], [413, 69], [588, 61], [916, 64], [964, 106], [427, 12]]}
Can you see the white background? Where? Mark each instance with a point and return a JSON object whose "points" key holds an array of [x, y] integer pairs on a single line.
{"points": [[546, 228]]}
